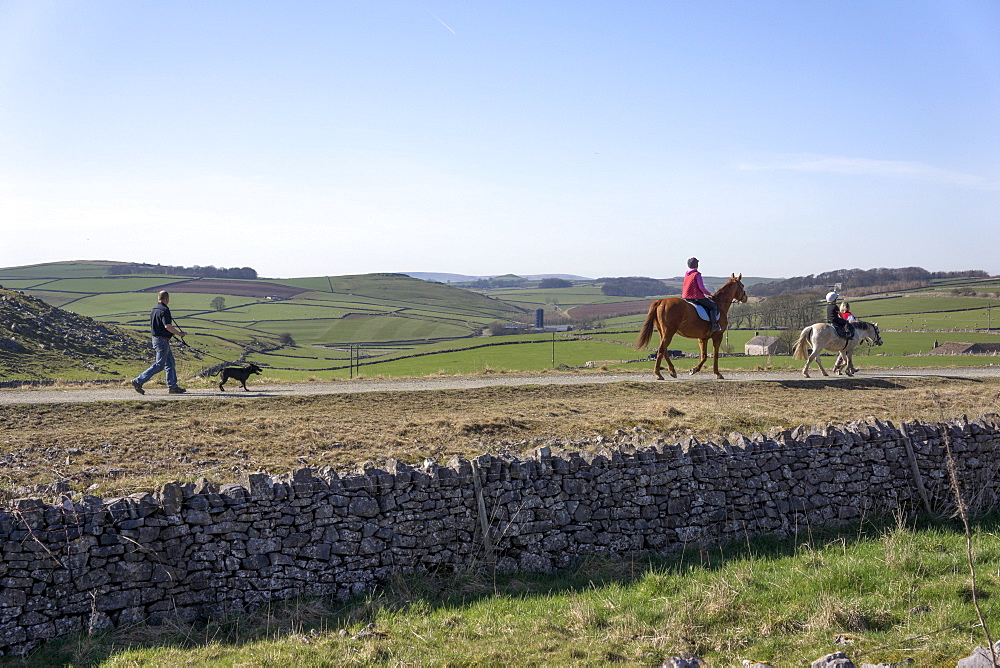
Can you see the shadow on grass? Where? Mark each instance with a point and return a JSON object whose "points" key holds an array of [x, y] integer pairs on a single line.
{"points": [[428, 592], [855, 383], [842, 384]]}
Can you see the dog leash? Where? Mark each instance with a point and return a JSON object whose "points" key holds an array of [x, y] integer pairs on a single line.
{"points": [[184, 344], [208, 371]]}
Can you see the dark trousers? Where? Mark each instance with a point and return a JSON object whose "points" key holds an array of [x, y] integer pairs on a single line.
{"points": [[710, 306]]}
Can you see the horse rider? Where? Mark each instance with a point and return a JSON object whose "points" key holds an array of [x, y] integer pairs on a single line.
{"points": [[845, 312], [694, 291], [844, 329]]}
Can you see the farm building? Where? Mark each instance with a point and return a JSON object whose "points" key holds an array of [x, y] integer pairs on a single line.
{"points": [[956, 348], [765, 345]]}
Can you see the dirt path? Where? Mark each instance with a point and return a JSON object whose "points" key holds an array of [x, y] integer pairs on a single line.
{"points": [[126, 393]]}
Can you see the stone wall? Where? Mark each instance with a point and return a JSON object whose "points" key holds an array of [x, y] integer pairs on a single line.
{"points": [[193, 550]]}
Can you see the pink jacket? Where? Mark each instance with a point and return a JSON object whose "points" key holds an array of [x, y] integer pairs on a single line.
{"points": [[694, 287]]}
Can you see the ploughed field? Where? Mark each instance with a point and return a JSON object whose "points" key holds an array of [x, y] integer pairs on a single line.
{"points": [[113, 448]]}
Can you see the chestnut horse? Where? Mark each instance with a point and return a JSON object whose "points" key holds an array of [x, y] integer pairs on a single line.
{"points": [[673, 315]]}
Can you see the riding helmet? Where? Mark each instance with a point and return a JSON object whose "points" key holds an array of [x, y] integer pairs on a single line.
{"points": [[832, 297]]}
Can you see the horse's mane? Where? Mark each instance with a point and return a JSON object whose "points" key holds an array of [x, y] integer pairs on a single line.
{"points": [[730, 281], [861, 324]]}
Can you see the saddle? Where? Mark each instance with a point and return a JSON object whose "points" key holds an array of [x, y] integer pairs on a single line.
{"points": [[702, 311], [844, 331]]}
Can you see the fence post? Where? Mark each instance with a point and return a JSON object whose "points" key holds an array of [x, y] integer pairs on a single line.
{"points": [[915, 469], [484, 523]]}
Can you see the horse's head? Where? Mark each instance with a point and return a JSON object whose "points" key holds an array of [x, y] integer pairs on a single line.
{"points": [[877, 341], [870, 332], [739, 294]]}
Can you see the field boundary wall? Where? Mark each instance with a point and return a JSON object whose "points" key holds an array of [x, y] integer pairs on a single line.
{"points": [[193, 550]]}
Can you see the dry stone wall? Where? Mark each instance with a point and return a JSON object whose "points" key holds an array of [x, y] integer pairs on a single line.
{"points": [[194, 550]]}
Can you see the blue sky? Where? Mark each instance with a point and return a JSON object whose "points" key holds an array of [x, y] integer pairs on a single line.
{"points": [[590, 138]]}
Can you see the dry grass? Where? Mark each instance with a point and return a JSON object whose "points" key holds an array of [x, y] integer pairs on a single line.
{"points": [[122, 447]]}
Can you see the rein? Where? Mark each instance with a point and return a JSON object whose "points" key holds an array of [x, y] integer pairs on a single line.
{"points": [[868, 326], [720, 299]]}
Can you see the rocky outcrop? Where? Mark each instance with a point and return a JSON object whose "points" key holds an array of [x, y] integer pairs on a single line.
{"points": [[29, 326]]}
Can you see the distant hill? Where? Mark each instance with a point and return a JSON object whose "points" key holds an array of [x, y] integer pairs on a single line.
{"points": [[318, 310], [859, 280], [464, 278], [716, 282], [38, 340]]}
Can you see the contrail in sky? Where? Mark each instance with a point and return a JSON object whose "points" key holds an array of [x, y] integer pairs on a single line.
{"points": [[441, 22]]}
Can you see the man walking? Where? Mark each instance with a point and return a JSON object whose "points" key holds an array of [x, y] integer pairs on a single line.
{"points": [[161, 324]]}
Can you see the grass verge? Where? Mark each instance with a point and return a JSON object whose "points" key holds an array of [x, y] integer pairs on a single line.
{"points": [[114, 448], [880, 591]]}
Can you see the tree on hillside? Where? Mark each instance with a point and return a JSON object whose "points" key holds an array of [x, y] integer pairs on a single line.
{"points": [[218, 303], [243, 273], [792, 311], [635, 286], [855, 279], [547, 283], [498, 328], [505, 281]]}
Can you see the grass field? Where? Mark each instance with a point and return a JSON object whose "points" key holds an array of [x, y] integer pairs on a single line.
{"points": [[438, 324]]}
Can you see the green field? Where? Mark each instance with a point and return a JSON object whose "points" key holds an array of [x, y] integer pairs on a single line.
{"points": [[564, 298], [49, 270], [411, 327]]}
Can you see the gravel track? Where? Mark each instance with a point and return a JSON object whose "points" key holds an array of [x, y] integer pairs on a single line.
{"points": [[159, 393]]}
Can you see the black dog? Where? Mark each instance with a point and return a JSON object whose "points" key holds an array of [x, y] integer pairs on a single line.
{"points": [[240, 373]]}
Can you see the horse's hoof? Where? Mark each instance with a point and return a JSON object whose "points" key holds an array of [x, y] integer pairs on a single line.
{"points": [[659, 377], [673, 375]]}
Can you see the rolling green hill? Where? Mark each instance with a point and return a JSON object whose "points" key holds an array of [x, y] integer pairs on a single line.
{"points": [[320, 310], [323, 316], [392, 325]]}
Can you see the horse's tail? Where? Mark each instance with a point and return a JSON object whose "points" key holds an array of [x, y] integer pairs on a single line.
{"points": [[646, 333], [802, 344]]}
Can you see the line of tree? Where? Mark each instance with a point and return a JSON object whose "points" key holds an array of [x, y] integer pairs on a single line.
{"points": [[505, 281], [547, 283], [783, 311], [635, 286], [857, 278], [245, 273]]}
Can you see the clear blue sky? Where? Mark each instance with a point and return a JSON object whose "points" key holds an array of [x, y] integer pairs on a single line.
{"points": [[590, 138]]}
